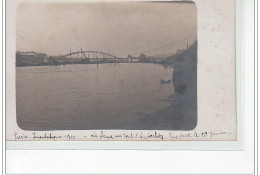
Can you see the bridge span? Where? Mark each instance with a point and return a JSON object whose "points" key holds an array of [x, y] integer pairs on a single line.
{"points": [[89, 55], [100, 57]]}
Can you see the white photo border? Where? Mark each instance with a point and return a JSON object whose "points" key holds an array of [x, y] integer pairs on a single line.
{"points": [[139, 161]]}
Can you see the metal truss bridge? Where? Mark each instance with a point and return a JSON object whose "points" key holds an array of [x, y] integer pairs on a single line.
{"points": [[90, 55]]}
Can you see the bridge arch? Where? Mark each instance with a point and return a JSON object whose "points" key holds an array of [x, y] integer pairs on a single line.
{"points": [[89, 55]]}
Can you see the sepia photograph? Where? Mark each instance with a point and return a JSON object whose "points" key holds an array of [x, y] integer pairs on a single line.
{"points": [[121, 71], [106, 66]]}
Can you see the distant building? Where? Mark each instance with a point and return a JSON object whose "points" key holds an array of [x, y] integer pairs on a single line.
{"points": [[162, 56], [27, 54], [144, 58], [130, 58], [31, 58], [183, 55]]}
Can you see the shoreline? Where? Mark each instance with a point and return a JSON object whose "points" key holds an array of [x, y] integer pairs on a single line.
{"points": [[36, 65]]}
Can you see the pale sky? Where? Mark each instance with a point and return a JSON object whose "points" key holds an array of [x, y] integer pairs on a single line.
{"points": [[118, 28]]}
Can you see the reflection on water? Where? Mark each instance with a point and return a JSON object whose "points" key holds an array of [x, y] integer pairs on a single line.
{"points": [[110, 96]]}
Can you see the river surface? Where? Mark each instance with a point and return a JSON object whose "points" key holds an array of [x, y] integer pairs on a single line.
{"points": [[110, 96]]}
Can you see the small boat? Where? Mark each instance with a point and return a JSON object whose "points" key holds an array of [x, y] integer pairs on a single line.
{"points": [[165, 82]]}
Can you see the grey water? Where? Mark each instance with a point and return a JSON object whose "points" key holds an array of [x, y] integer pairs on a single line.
{"points": [[76, 97]]}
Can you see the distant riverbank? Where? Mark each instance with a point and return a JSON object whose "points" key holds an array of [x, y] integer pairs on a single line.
{"points": [[80, 62]]}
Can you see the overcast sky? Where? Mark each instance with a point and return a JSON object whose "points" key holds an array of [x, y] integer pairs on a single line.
{"points": [[118, 28]]}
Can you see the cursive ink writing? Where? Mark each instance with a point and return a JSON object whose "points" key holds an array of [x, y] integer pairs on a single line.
{"points": [[212, 134], [126, 135]]}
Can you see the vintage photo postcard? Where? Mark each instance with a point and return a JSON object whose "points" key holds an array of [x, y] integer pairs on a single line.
{"points": [[121, 71]]}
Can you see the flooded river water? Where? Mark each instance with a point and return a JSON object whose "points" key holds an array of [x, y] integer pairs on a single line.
{"points": [[110, 96]]}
